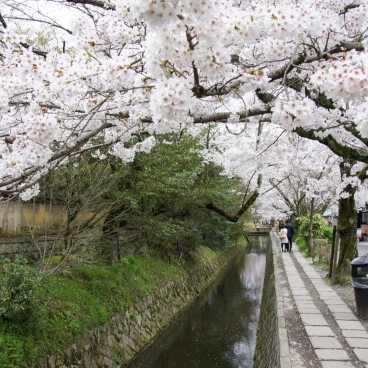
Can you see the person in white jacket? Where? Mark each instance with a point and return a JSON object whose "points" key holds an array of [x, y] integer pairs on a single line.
{"points": [[283, 238]]}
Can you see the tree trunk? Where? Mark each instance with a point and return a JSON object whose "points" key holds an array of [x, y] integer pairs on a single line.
{"points": [[72, 212], [110, 249], [347, 224], [310, 230]]}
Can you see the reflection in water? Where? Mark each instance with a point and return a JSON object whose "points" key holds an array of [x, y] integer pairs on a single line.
{"points": [[219, 329], [252, 275]]}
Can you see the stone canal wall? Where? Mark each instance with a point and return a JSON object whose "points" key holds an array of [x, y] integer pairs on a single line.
{"points": [[115, 343], [28, 247], [267, 352]]}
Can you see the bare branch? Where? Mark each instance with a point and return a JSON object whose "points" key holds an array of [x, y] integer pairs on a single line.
{"points": [[2, 21], [97, 3], [233, 217], [223, 116], [336, 147]]}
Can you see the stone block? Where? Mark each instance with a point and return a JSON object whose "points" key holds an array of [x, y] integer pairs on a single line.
{"points": [[285, 362], [344, 316], [339, 308], [336, 364], [309, 310], [319, 331], [327, 295], [356, 342], [313, 320], [355, 333], [300, 292], [350, 325], [331, 354], [362, 354], [333, 301], [325, 342], [284, 348]]}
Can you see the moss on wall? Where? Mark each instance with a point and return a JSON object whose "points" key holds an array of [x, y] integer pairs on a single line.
{"points": [[267, 352]]}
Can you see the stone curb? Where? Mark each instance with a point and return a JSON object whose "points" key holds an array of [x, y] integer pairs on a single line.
{"points": [[285, 361]]}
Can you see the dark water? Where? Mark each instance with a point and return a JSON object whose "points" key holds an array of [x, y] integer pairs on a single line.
{"points": [[219, 329]]}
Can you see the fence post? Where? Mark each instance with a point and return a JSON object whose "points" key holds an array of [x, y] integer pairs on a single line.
{"points": [[337, 244], [332, 251]]}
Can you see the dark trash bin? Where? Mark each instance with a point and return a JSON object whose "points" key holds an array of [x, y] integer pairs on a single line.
{"points": [[359, 274]]}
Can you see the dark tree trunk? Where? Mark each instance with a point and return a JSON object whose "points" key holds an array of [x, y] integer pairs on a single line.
{"points": [[111, 249], [72, 213], [310, 230], [347, 224]]}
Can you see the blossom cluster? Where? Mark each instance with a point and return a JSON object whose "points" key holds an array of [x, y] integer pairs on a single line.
{"points": [[157, 65], [171, 100], [346, 78], [294, 113]]}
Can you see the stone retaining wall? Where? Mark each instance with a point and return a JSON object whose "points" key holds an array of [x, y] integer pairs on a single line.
{"points": [[29, 247], [115, 343], [267, 352]]}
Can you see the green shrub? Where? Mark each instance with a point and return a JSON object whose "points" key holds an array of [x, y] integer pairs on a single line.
{"points": [[327, 233], [18, 289], [318, 226], [301, 243]]}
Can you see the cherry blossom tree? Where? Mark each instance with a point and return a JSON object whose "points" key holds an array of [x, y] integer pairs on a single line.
{"points": [[353, 195], [156, 66], [311, 179], [114, 70]]}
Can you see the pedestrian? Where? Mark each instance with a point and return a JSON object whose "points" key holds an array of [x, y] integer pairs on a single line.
{"points": [[283, 238], [290, 233], [365, 233]]}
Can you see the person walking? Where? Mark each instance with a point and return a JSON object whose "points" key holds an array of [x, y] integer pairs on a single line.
{"points": [[290, 233], [283, 238]]}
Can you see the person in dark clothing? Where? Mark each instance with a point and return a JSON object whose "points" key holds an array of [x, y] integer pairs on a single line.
{"points": [[290, 233]]}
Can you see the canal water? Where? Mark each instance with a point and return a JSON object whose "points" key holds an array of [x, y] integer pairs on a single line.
{"points": [[219, 329]]}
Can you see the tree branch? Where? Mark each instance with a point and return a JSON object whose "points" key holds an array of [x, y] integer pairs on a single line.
{"points": [[97, 3], [231, 216], [281, 73], [2, 21], [223, 116], [61, 154], [336, 147]]}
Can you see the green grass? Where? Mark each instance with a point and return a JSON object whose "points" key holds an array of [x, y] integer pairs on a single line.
{"points": [[303, 246], [205, 253], [321, 264], [76, 302], [87, 296]]}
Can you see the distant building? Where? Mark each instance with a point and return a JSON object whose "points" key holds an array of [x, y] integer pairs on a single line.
{"points": [[328, 216], [363, 216]]}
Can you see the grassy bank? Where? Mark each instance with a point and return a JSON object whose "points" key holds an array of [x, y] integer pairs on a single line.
{"points": [[85, 297]]}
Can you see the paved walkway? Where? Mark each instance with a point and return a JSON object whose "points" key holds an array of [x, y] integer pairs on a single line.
{"points": [[363, 248], [336, 335]]}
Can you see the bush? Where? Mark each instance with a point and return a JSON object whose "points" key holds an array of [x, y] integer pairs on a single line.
{"points": [[301, 243], [327, 233], [18, 289], [318, 226]]}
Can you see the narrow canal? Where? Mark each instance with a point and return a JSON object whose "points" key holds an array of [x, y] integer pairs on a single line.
{"points": [[219, 329]]}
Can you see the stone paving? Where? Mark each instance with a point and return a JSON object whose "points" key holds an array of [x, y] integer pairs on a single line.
{"points": [[337, 336], [363, 248]]}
